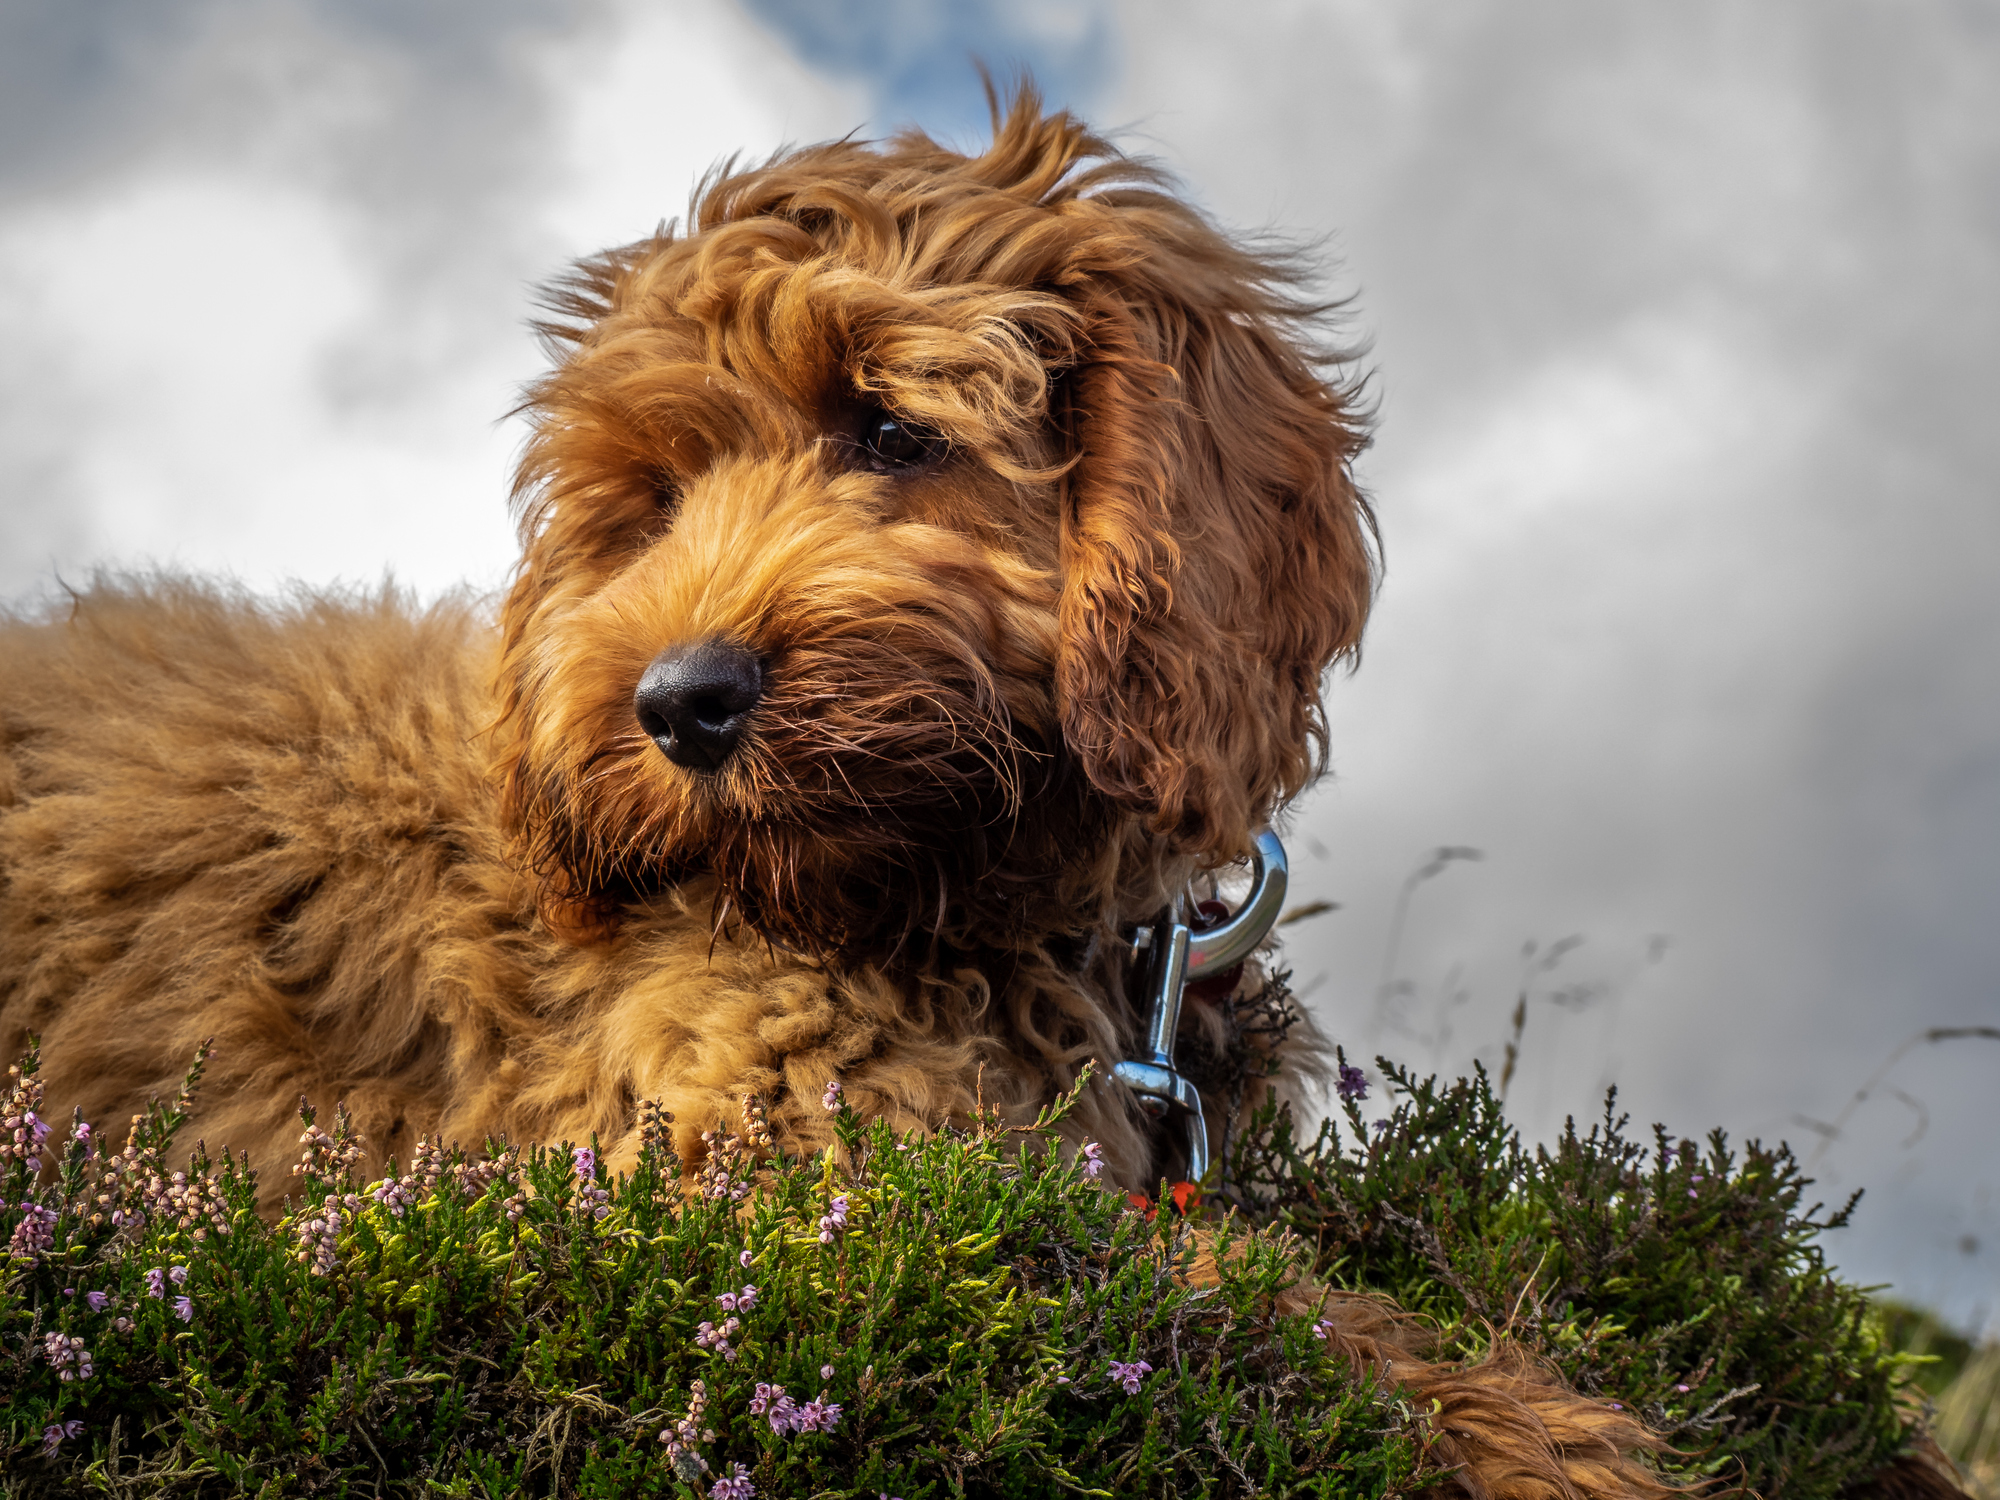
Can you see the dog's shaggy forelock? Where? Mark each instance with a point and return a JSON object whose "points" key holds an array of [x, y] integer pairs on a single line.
{"points": [[1015, 695]]}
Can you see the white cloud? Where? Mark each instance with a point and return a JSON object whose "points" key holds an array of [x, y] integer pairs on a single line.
{"points": [[679, 90], [275, 333]]}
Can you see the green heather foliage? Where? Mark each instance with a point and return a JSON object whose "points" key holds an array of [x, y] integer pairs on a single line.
{"points": [[1937, 1353], [1684, 1281], [963, 1315]]}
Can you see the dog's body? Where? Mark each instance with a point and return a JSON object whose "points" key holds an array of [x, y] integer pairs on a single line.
{"points": [[930, 567], [276, 827]]}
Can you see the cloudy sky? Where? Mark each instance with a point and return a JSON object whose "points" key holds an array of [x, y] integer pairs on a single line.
{"points": [[1684, 324]]}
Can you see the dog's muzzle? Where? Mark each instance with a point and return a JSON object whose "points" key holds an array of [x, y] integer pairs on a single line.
{"points": [[694, 700], [1180, 955]]}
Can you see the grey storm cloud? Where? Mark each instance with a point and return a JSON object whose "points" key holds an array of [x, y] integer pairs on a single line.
{"points": [[1682, 325], [424, 118], [381, 157]]}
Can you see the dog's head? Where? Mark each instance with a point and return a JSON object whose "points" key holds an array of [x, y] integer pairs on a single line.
{"points": [[917, 543]]}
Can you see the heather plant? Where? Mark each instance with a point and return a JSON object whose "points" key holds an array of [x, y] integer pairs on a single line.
{"points": [[967, 1314], [1960, 1380], [1935, 1353], [1680, 1278], [960, 1315]]}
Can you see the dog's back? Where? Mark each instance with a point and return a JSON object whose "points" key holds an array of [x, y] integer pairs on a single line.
{"points": [[268, 824], [275, 826]]}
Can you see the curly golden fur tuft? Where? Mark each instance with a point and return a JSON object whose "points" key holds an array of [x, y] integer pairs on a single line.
{"points": [[1015, 499]]}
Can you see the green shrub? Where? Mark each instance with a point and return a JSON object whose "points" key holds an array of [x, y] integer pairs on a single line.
{"points": [[1934, 1351], [1684, 1281], [963, 1315], [515, 1324]]}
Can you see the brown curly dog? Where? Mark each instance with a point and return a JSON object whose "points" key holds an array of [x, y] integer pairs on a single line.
{"points": [[930, 563]]}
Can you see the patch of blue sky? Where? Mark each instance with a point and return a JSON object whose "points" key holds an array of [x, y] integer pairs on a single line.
{"points": [[918, 58]]}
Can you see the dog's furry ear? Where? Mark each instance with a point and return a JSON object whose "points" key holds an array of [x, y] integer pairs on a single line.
{"points": [[1217, 556], [535, 809]]}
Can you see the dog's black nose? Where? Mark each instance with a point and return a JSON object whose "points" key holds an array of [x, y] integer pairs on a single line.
{"points": [[694, 701]]}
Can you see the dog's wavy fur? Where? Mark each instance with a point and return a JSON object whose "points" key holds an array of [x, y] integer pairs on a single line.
{"points": [[1015, 697]]}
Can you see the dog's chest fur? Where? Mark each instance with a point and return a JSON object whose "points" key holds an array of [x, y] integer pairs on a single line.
{"points": [[277, 828]]}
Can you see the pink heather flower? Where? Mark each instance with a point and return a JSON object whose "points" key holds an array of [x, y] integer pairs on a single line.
{"points": [[35, 1235], [98, 1300], [156, 1282], [66, 1356], [1682, 1389], [743, 1260], [736, 1486], [55, 1433], [716, 1179], [1130, 1375], [772, 1404], [1323, 1329], [592, 1199], [319, 1237], [830, 1100], [1093, 1161], [826, 1372], [741, 1301], [184, 1309], [1352, 1084], [710, 1337], [818, 1415], [834, 1220], [38, 1125], [82, 1137], [178, 1275], [684, 1434], [395, 1195]]}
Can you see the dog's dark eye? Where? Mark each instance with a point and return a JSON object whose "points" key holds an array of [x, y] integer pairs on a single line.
{"points": [[888, 442]]}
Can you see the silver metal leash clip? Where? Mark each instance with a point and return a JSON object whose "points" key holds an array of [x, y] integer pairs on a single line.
{"points": [[1179, 955]]}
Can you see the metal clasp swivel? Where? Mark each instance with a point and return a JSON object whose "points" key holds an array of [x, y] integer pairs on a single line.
{"points": [[1180, 955]]}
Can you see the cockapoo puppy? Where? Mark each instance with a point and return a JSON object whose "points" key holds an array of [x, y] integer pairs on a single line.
{"points": [[929, 567]]}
